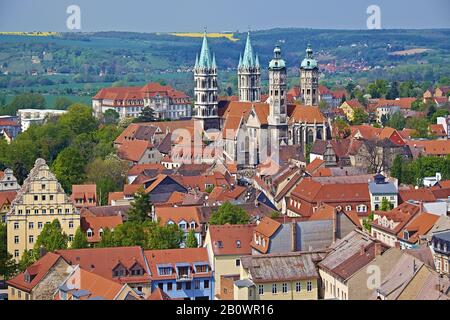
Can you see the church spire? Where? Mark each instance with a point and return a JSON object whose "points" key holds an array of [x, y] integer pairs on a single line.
{"points": [[213, 64], [257, 61], [196, 60], [248, 60], [205, 55]]}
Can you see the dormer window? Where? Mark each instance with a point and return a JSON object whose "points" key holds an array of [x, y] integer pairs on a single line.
{"points": [[219, 243], [192, 225], [406, 235], [89, 233], [238, 243], [182, 225]]}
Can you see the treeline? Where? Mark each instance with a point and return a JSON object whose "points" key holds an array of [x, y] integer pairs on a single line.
{"points": [[413, 172], [77, 147]]}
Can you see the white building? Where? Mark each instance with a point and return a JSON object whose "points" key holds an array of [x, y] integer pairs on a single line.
{"points": [[36, 116]]}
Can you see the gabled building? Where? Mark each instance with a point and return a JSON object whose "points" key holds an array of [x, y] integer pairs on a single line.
{"points": [[7, 181], [84, 195], [94, 226], [226, 244], [440, 243], [181, 273], [123, 265], [186, 218], [346, 269], [40, 200], [289, 276], [414, 232], [84, 285], [40, 280], [380, 189]]}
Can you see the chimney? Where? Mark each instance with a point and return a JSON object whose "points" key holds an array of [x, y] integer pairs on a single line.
{"points": [[362, 250], [335, 213], [42, 252], [293, 236], [377, 249]]}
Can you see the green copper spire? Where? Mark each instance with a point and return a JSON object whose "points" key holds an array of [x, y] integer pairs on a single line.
{"points": [[196, 60], [205, 56], [309, 62], [277, 62], [240, 60], [257, 61], [213, 64], [247, 60]]}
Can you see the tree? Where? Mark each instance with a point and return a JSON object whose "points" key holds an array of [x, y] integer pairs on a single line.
{"points": [[79, 119], [359, 116], [393, 92], [229, 213], [420, 125], [24, 100], [8, 265], [51, 238], [323, 105], [191, 239], [431, 110], [342, 128], [396, 121], [147, 115], [111, 116], [141, 207], [439, 113], [80, 240], [384, 119], [165, 237], [378, 88], [386, 205], [28, 258], [397, 168], [69, 167], [367, 222], [62, 103], [209, 189]]}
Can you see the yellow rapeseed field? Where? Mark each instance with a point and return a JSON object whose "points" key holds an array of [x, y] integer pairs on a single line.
{"points": [[229, 36], [34, 33]]}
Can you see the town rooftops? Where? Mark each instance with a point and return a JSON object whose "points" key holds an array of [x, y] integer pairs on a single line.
{"points": [[430, 147], [422, 194], [231, 239], [98, 224], [34, 273], [351, 253], [133, 150], [282, 267], [103, 261], [417, 227], [176, 215]]}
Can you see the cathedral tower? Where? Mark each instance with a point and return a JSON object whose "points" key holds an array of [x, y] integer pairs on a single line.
{"points": [[309, 79], [277, 118], [249, 75], [205, 77]]}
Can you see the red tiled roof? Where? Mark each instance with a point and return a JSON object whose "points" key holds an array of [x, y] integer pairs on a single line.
{"points": [[423, 194], [89, 221], [97, 285], [431, 147], [140, 168], [114, 196], [231, 239], [37, 271], [174, 256], [178, 214], [133, 150], [158, 294], [7, 197], [267, 226], [103, 261], [418, 226], [314, 165]]}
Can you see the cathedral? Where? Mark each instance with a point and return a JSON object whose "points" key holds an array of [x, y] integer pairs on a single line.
{"points": [[251, 129]]}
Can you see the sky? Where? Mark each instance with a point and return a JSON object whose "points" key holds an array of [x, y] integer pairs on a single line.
{"points": [[219, 15]]}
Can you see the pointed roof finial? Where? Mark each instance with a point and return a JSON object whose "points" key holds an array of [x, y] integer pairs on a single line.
{"points": [[196, 60], [257, 61], [213, 64], [205, 56], [248, 60], [240, 60]]}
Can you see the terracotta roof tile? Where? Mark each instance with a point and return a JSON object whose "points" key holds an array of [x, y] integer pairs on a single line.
{"points": [[231, 239]]}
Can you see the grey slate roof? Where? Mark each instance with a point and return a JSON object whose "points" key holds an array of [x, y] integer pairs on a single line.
{"points": [[382, 188], [282, 267]]}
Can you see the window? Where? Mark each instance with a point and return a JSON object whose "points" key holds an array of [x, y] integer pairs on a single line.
{"points": [[165, 271], [238, 243], [169, 286], [261, 289], [30, 239], [42, 186], [309, 286], [44, 198], [16, 253], [16, 225], [89, 233], [59, 210], [274, 288], [52, 211], [179, 285], [71, 224], [36, 211], [35, 198], [206, 284], [30, 225], [348, 208], [44, 211], [39, 225], [238, 262], [201, 268], [197, 284], [298, 286], [27, 211], [284, 287], [71, 237], [16, 239], [188, 286], [19, 211], [19, 293], [67, 210]]}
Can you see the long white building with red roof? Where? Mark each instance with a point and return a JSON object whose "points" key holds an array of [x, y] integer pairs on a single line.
{"points": [[166, 102]]}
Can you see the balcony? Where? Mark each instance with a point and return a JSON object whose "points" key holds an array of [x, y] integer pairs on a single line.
{"points": [[184, 277]]}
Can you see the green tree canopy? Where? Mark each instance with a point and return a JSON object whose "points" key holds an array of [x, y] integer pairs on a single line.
{"points": [[51, 238], [229, 213], [359, 116], [69, 168], [8, 265], [141, 207], [80, 240], [62, 103], [396, 121], [110, 116], [165, 237], [191, 240]]}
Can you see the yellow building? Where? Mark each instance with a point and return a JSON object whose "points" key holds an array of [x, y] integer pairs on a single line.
{"points": [[225, 245], [40, 200], [349, 107], [291, 276]]}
